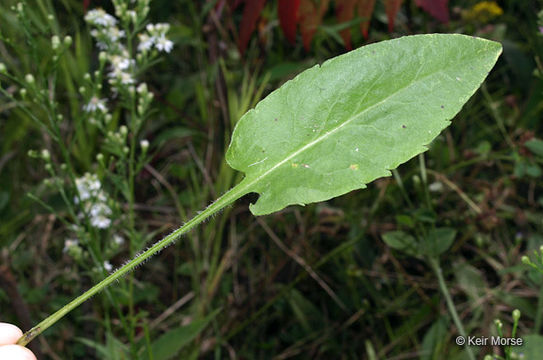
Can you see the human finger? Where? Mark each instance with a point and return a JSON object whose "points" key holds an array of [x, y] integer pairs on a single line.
{"points": [[16, 352], [9, 334]]}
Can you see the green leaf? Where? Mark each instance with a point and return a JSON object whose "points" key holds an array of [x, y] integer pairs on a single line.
{"points": [[402, 241], [169, 344], [336, 127], [535, 146], [470, 280], [433, 339], [438, 241], [532, 346]]}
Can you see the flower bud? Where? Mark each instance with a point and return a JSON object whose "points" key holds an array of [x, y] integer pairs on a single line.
{"points": [[102, 57], [55, 42], [123, 130], [29, 78], [45, 155], [516, 314], [68, 41], [525, 260], [144, 145]]}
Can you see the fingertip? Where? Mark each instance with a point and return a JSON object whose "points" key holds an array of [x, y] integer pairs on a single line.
{"points": [[9, 334], [16, 352]]}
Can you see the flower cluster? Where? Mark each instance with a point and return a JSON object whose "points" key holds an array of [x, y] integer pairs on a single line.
{"points": [[109, 38], [155, 36], [105, 31], [93, 201], [484, 11]]}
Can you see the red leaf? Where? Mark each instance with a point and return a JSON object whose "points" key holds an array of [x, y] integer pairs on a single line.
{"points": [[251, 12], [310, 19], [392, 7], [86, 4], [288, 17], [234, 3], [365, 9], [344, 13], [437, 8]]}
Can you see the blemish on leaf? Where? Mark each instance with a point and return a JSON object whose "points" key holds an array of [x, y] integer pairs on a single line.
{"points": [[443, 107], [305, 166], [458, 79], [403, 126], [353, 167], [294, 165], [258, 162], [356, 149], [275, 119]]}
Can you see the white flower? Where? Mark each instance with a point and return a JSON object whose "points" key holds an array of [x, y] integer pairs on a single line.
{"points": [[125, 78], [435, 187], [96, 104], [69, 243], [107, 38], [163, 44], [119, 62], [156, 37], [99, 209], [100, 222], [142, 88], [118, 239], [146, 42], [88, 187], [107, 266], [114, 34], [98, 17]]}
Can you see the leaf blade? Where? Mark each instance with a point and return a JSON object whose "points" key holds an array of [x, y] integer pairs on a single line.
{"points": [[328, 131]]}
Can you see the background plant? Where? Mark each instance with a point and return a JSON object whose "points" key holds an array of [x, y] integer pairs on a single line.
{"points": [[271, 305]]}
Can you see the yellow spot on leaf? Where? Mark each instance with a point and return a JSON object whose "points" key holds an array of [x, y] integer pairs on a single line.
{"points": [[353, 167]]}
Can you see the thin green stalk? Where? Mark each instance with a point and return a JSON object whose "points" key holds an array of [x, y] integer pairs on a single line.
{"points": [[436, 267], [539, 313], [424, 178], [493, 107], [229, 197]]}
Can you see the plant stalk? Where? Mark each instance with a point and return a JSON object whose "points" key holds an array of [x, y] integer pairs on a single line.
{"points": [[436, 267], [228, 198]]}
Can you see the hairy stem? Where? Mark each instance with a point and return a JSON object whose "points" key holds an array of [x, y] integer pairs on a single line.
{"points": [[225, 200]]}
